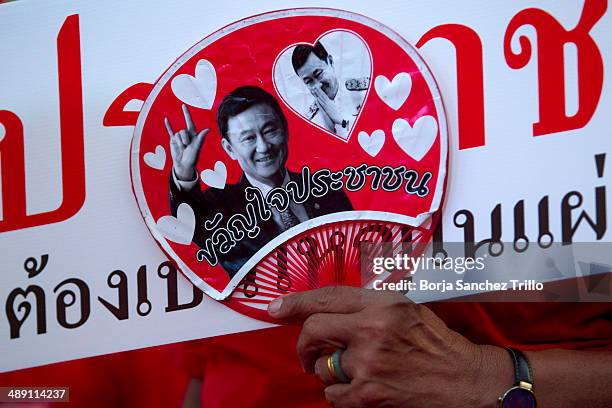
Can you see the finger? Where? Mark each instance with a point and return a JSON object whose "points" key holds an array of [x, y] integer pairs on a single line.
{"points": [[356, 394], [316, 92], [199, 139], [323, 333], [348, 360], [330, 299], [178, 141], [341, 396], [188, 121], [184, 137], [174, 148], [168, 127], [320, 105], [322, 95], [323, 372], [324, 102], [327, 375]]}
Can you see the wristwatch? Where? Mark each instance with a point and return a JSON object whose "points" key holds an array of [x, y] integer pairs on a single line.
{"points": [[521, 394]]}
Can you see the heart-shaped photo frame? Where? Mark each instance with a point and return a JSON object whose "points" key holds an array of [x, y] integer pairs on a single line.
{"points": [[326, 82]]}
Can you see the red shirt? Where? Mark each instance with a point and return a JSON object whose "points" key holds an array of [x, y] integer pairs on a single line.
{"points": [[260, 368]]}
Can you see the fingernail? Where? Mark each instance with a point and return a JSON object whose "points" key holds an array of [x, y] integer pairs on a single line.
{"points": [[274, 306]]}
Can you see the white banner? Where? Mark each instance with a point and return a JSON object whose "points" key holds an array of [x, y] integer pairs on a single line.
{"points": [[524, 85]]}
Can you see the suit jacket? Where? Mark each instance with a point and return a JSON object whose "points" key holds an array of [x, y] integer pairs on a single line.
{"points": [[230, 201]]}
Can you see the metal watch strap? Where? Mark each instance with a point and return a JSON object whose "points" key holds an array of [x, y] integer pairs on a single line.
{"points": [[522, 368]]}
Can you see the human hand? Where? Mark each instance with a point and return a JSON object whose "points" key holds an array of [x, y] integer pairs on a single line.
{"points": [[328, 106], [185, 146], [397, 353]]}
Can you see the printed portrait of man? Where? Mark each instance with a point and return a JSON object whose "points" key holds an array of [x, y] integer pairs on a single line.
{"points": [[255, 134], [326, 82], [337, 101]]}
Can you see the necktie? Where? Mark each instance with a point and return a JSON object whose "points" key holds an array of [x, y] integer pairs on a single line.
{"points": [[289, 219]]}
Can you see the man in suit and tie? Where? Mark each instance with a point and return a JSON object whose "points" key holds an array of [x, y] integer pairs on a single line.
{"points": [[254, 133]]}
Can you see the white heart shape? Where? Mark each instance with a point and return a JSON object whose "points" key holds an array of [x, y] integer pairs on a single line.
{"points": [[415, 140], [178, 229], [372, 144], [198, 90], [394, 93], [217, 177], [156, 160], [2, 132]]}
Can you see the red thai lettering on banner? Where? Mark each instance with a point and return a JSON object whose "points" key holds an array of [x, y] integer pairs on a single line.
{"points": [[470, 83], [116, 115], [72, 143], [12, 170], [551, 37]]}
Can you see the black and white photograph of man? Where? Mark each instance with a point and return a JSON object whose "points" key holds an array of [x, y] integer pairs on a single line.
{"points": [[255, 134], [326, 82]]}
